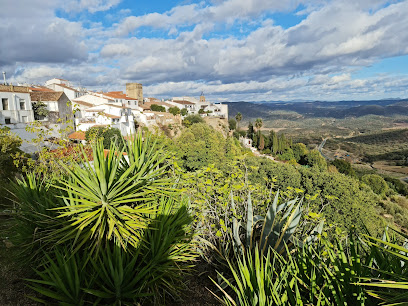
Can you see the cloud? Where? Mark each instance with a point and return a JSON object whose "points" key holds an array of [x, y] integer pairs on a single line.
{"points": [[223, 11], [91, 6], [315, 58]]}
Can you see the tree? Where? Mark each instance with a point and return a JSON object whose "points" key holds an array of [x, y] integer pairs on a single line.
{"points": [[258, 123], [238, 118], [376, 183], [9, 148], [275, 143], [158, 108], [183, 112], [344, 167], [108, 134], [174, 110], [201, 111], [261, 142], [232, 124], [299, 152], [250, 132], [192, 119], [315, 159], [40, 110]]}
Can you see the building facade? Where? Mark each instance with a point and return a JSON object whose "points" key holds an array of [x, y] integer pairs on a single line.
{"points": [[15, 106]]}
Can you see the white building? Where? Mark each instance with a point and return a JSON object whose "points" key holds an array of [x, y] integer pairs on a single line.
{"points": [[65, 86], [15, 105], [190, 106], [107, 115], [58, 105]]}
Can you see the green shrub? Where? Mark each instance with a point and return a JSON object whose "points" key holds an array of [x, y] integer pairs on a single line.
{"points": [[376, 183], [158, 108], [192, 119], [108, 134]]}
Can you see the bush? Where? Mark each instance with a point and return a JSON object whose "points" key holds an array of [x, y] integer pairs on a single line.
{"points": [[376, 183], [108, 134], [192, 119], [158, 108], [107, 235], [232, 124], [174, 110]]}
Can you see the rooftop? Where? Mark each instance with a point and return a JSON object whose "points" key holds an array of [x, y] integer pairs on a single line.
{"points": [[183, 102], [118, 95], [46, 95], [12, 88]]}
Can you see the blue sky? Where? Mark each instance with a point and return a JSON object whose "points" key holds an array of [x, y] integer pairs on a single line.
{"points": [[233, 50]]}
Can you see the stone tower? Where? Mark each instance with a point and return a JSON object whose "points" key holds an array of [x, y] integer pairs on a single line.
{"points": [[135, 91], [202, 98]]}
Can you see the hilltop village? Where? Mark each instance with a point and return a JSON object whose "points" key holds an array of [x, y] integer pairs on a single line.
{"points": [[59, 101]]}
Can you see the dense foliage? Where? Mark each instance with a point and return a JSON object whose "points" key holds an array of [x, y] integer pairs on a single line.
{"points": [[158, 108], [108, 134], [126, 225]]}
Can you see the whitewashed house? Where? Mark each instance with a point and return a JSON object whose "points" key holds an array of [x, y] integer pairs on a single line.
{"points": [[65, 86], [120, 117], [58, 105], [15, 106]]}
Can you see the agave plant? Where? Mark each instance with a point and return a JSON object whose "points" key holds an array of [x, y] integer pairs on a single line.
{"points": [[276, 229], [110, 199]]}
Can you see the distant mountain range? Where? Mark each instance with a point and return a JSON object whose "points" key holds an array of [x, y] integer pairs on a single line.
{"points": [[338, 109]]}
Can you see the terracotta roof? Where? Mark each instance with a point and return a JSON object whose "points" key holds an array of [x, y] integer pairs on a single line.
{"points": [[65, 86], [183, 102], [41, 88], [94, 110], [147, 105], [110, 116], [77, 135], [46, 95], [117, 106], [12, 88], [118, 95], [82, 103]]}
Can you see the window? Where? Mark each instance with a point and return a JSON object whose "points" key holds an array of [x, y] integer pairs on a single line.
{"points": [[129, 102], [25, 119], [5, 104], [22, 104], [7, 120]]}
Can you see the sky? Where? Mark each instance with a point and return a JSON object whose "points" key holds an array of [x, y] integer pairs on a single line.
{"points": [[232, 50]]}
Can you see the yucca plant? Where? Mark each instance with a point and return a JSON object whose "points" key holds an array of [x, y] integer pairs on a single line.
{"points": [[259, 280], [389, 263], [169, 248], [61, 278], [119, 277], [106, 200], [34, 199], [156, 268]]}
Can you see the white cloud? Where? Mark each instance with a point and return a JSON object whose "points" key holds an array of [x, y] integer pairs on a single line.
{"points": [[316, 58], [91, 6]]}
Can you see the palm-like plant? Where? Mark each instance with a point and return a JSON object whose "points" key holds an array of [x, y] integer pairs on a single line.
{"points": [[34, 200], [258, 124], [111, 197]]}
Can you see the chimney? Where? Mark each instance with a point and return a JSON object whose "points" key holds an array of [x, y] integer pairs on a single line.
{"points": [[4, 77]]}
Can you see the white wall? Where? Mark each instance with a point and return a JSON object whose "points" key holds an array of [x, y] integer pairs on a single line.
{"points": [[14, 112]]}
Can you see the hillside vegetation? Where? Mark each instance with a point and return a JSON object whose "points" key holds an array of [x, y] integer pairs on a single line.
{"points": [[129, 225]]}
